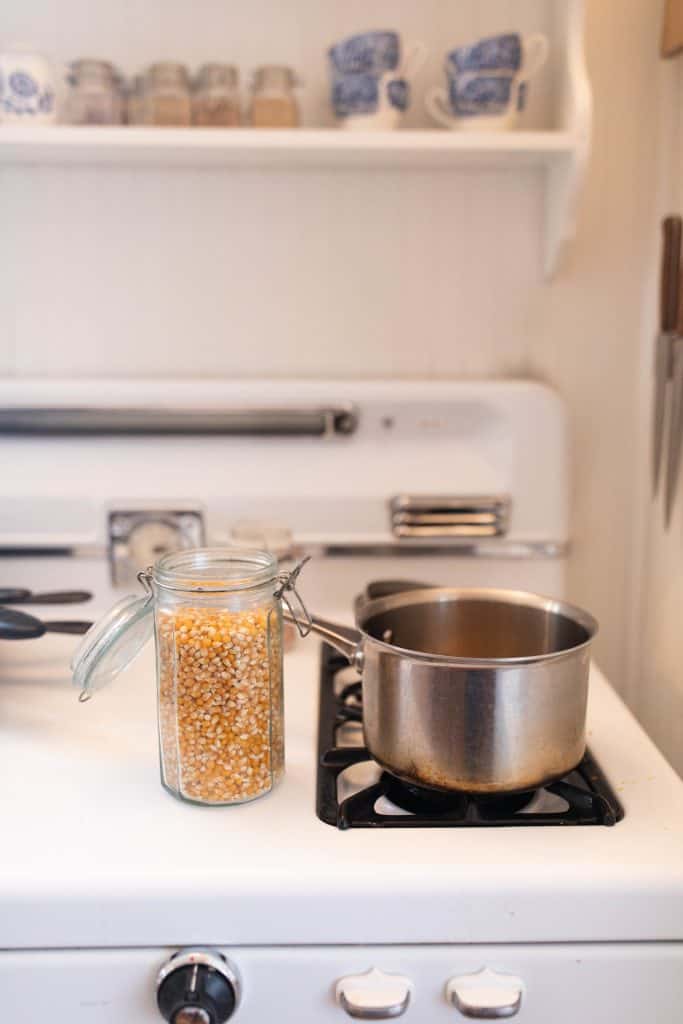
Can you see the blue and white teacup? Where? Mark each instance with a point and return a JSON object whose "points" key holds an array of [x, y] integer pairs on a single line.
{"points": [[369, 101], [370, 79], [487, 82], [27, 89], [366, 53]]}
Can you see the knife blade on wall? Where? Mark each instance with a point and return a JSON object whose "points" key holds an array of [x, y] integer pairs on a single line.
{"points": [[672, 230], [676, 418]]}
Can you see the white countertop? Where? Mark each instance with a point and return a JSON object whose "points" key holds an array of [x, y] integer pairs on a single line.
{"points": [[95, 853]]}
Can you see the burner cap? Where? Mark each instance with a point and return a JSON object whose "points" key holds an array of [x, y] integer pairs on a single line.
{"points": [[434, 802], [420, 799]]}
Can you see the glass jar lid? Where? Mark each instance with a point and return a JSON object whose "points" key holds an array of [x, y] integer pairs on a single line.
{"points": [[274, 78], [112, 643], [217, 76], [168, 73], [215, 570], [89, 70]]}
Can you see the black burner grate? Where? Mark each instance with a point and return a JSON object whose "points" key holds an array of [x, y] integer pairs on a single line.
{"points": [[585, 796]]}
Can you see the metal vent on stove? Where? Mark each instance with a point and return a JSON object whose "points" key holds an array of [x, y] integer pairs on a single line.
{"points": [[443, 516]]}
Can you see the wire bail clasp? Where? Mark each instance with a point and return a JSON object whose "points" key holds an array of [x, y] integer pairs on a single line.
{"points": [[287, 592], [144, 578]]}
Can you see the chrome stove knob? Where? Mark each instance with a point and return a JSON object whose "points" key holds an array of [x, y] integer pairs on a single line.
{"points": [[197, 987]]}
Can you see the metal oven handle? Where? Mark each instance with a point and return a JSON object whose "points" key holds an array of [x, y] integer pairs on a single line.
{"points": [[313, 421]]}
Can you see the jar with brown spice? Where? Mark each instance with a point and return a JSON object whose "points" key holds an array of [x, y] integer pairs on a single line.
{"points": [[218, 627], [167, 95], [273, 101], [215, 101], [135, 101], [95, 95]]}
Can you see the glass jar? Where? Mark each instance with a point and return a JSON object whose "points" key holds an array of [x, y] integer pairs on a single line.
{"points": [[277, 539], [217, 621], [167, 95], [273, 103], [215, 101], [95, 95], [135, 99]]}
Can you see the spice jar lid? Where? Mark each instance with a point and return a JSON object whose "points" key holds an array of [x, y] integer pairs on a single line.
{"points": [[217, 76], [168, 73], [89, 67], [112, 643], [275, 78]]}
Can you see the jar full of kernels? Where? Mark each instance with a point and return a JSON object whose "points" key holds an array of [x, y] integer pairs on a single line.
{"points": [[217, 621]]}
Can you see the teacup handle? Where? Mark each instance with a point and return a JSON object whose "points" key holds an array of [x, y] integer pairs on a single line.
{"points": [[536, 50], [415, 57], [436, 104]]}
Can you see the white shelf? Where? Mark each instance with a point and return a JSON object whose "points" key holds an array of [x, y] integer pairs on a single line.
{"points": [[197, 147], [561, 96]]}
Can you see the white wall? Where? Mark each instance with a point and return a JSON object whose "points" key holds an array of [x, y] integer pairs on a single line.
{"points": [[586, 330], [658, 695], [367, 274]]}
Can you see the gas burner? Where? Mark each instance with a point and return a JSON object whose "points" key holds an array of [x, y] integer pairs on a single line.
{"points": [[420, 800], [583, 797]]}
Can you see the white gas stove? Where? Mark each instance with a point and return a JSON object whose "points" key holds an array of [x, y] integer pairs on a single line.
{"points": [[104, 876]]}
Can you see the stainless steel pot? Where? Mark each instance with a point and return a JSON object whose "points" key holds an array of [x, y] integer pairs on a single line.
{"points": [[481, 691]]}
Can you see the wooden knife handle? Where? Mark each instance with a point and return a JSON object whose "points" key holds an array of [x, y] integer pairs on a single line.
{"points": [[672, 228], [672, 29]]}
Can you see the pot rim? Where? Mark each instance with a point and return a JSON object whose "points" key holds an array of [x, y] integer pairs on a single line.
{"points": [[436, 595]]}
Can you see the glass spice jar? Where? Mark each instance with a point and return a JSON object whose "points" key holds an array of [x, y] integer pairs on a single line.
{"points": [[218, 628], [95, 94], [273, 102], [135, 99], [277, 539], [167, 95], [215, 101]]}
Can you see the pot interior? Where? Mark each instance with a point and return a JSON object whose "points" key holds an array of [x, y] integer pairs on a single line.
{"points": [[469, 627]]}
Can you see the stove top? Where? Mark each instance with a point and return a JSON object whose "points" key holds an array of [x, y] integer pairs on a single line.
{"points": [[352, 791]]}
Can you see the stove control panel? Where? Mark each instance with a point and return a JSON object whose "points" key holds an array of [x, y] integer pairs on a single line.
{"points": [[374, 995], [138, 538], [486, 995], [197, 987]]}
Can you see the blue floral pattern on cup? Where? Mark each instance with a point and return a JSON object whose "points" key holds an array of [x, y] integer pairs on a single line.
{"points": [[355, 94], [368, 52], [46, 101], [360, 94], [497, 53], [398, 91], [26, 88], [22, 84], [480, 95]]}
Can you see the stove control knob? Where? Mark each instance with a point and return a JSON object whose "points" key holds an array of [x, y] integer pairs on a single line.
{"points": [[374, 995], [486, 995], [197, 987]]}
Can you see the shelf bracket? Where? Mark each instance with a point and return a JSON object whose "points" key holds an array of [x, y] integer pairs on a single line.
{"points": [[565, 179]]}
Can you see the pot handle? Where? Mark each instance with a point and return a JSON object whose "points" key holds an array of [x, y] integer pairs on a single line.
{"points": [[385, 588], [344, 639]]}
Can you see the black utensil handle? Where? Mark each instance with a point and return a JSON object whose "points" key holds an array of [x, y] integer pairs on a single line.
{"points": [[52, 597], [10, 595], [672, 229], [68, 626], [16, 625]]}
